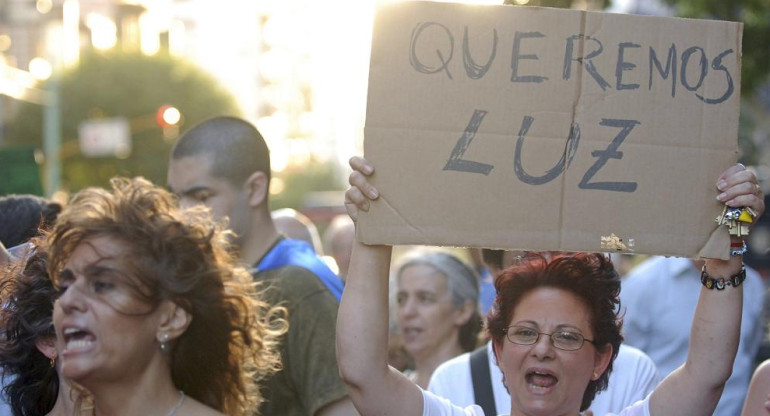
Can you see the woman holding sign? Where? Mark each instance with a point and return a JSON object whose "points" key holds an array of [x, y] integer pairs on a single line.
{"points": [[554, 328]]}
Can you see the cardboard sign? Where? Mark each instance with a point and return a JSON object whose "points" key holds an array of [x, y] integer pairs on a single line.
{"points": [[550, 129]]}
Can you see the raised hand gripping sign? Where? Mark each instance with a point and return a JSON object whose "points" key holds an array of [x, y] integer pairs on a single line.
{"points": [[550, 129]]}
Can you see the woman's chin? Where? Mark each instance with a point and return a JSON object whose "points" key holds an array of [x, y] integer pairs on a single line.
{"points": [[412, 353], [540, 407], [76, 372]]}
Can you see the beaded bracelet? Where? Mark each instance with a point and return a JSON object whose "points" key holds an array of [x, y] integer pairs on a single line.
{"points": [[720, 284]]}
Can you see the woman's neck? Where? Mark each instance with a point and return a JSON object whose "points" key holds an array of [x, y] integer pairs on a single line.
{"points": [[65, 406], [518, 412], [126, 401], [426, 364], [150, 393]]}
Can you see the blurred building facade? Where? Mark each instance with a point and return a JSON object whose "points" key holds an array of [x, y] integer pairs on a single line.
{"points": [[298, 68], [297, 75], [38, 37]]}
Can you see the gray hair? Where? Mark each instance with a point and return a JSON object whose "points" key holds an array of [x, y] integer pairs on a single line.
{"points": [[462, 283]]}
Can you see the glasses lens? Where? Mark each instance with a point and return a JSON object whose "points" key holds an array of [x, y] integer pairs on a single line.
{"points": [[566, 340], [522, 335]]}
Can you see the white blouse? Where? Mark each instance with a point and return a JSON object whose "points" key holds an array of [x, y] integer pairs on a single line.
{"points": [[438, 406]]}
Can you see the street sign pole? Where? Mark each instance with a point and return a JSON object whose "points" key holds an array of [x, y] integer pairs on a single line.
{"points": [[52, 135]]}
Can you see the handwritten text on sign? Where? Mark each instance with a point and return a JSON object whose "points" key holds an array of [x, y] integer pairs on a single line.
{"points": [[571, 104], [526, 41]]}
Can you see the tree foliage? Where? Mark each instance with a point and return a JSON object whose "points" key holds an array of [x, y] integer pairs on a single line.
{"points": [[755, 15], [299, 181], [129, 85]]}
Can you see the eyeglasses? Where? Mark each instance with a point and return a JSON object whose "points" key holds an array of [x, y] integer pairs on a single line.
{"points": [[563, 340]]}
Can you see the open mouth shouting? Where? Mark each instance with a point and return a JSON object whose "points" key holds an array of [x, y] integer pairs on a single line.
{"points": [[540, 380], [77, 340]]}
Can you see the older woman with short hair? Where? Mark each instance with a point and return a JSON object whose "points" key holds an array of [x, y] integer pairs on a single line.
{"points": [[437, 309]]}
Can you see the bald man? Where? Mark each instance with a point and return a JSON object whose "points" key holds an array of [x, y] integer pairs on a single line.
{"points": [[224, 163]]}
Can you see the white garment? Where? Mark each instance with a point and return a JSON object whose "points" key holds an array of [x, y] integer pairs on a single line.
{"points": [[659, 298], [439, 406], [633, 377]]}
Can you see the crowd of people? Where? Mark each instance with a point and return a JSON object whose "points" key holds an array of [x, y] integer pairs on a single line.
{"points": [[202, 300]]}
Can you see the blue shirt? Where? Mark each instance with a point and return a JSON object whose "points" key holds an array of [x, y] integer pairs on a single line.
{"points": [[289, 252]]}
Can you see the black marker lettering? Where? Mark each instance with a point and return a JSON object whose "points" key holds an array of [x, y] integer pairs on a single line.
{"points": [[670, 67], [610, 153], [717, 64], [473, 70], [566, 158], [417, 63], [624, 66], [515, 77], [704, 66], [456, 162], [589, 64]]}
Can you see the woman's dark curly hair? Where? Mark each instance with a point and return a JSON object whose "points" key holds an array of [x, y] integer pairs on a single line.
{"points": [[184, 256], [591, 277], [27, 296]]}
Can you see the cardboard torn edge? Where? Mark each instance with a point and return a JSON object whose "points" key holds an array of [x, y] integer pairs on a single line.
{"points": [[614, 244], [717, 246]]}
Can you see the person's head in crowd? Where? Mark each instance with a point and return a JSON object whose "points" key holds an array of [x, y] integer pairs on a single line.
{"points": [[224, 164], [296, 225], [581, 288], [24, 216], [21, 217], [28, 353], [436, 308], [152, 313], [338, 240]]}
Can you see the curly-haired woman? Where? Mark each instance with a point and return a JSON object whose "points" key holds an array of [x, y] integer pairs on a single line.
{"points": [[153, 315]]}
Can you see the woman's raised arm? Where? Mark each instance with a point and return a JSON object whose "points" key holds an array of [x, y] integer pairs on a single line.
{"points": [[695, 388], [362, 321]]}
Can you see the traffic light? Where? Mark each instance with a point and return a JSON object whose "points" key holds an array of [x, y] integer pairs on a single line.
{"points": [[168, 116]]}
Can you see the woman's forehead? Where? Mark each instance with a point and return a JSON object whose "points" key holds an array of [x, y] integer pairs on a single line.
{"points": [[550, 306], [97, 249], [421, 276]]}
